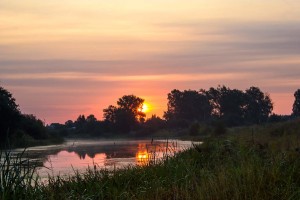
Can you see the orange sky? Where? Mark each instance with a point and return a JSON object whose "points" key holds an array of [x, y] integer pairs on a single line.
{"points": [[62, 59]]}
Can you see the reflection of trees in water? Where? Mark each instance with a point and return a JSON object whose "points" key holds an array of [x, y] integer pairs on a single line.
{"points": [[139, 150], [111, 151], [38, 158]]}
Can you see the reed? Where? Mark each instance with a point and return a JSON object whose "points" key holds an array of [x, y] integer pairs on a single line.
{"points": [[17, 175]]}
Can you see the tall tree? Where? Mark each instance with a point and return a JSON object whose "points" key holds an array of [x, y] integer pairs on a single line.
{"points": [[258, 106], [127, 114], [9, 113], [109, 114], [227, 104], [33, 127], [188, 105], [134, 105], [80, 123], [296, 105]]}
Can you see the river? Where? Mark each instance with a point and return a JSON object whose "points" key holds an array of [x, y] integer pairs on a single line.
{"points": [[78, 155]]}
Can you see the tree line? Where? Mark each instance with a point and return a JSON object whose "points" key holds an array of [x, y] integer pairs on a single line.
{"points": [[16, 126], [232, 107]]}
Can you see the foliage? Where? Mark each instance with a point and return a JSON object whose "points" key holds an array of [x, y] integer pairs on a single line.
{"points": [[188, 105], [152, 126], [9, 113], [33, 127], [296, 105], [232, 106], [258, 106], [228, 104], [127, 115], [194, 129], [219, 128], [83, 126]]}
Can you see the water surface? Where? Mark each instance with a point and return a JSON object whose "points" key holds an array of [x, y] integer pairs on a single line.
{"points": [[78, 155]]}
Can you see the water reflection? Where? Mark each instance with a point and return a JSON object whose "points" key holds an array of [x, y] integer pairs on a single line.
{"points": [[142, 155], [79, 155]]}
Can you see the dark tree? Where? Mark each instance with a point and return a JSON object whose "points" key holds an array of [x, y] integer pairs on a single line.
{"points": [[153, 124], [127, 114], [33, 127], [228, 104], [296, 105], [109, 114], [188, 105], [134, 105], [9, 113], [258, 106], [91, 119], [80, 124], [69, 124]]}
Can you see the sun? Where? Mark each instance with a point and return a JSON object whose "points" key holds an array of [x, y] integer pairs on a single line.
{"points": [[145, 108]]}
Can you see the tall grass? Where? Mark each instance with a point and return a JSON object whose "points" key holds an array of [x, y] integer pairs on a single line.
{"points": [[16, 175], [218, 169]]}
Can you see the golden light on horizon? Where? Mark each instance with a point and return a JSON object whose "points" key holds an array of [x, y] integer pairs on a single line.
{"points": [[145, 108]]}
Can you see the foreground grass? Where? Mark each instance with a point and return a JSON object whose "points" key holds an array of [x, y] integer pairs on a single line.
{"points": [[241, 165]]}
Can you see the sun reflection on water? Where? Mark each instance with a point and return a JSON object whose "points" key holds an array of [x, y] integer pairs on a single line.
{"points": [[142, 157]]}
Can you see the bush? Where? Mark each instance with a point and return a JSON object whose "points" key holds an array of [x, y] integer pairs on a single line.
{"points": [[194, 129], [219, 128]]}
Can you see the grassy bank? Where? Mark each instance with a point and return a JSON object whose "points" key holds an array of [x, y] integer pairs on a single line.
{"points": [[260, 162]]}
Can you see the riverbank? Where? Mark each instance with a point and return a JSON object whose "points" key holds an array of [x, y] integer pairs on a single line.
{"points": [[259, 162]]}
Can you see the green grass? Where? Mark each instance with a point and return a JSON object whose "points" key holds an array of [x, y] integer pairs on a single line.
{"points": [[243, 164]]}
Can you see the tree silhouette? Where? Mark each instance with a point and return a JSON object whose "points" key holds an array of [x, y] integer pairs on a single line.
{"points": [[109, 113], [227, 104], [188, 105], [33, 127], [9, 113], [258, 106], [296, 105], [232, 106], [134, 105], [127, 114]]}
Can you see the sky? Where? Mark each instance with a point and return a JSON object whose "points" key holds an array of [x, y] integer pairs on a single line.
{"points": [[60, 59]]}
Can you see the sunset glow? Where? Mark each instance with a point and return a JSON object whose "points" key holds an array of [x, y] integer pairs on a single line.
{"points": [[145, 108], [62, 59]]}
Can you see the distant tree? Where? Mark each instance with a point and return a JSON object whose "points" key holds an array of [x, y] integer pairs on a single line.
{"points": [[188, 105], [134, 105], [93, 125], [69, 124], [228, 104], [258, 106], [296, 105], [91, 119], [153, 124], [127, 114], [9, 113], [109, 114], [80, 123], [278, 118]]}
